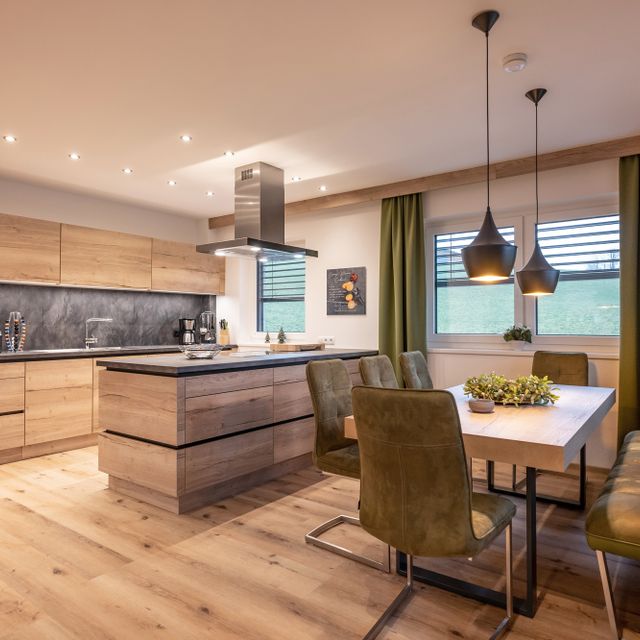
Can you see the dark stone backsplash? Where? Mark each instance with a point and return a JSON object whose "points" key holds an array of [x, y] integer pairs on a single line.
{"points": [[56, 315]]}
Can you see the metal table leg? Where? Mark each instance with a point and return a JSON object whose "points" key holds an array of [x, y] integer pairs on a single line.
{"points": [[580, 503], [525, 606]]}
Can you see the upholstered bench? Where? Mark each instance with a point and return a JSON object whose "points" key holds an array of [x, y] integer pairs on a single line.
{"points": [[613, 523]]}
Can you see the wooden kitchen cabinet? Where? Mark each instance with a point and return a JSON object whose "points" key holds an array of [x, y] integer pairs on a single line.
{"points": [[11, 431], [98, 258], [12, 382], [177, 266], [58, 399], [291, 397], [29, 249], [11, 405]]}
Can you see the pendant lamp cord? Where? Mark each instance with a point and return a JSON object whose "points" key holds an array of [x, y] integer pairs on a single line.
{"points": [[536, 171], [487, 79]]}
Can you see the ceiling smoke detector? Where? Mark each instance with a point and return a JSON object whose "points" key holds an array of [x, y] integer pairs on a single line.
{"points": [[514, 62]]}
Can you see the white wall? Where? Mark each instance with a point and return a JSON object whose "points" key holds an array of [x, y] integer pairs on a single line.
{"points": [[47, 203], [587, 184]]}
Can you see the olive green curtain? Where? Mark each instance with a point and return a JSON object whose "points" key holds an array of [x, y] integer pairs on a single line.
{"points": [[403, 292], [629, 383]]}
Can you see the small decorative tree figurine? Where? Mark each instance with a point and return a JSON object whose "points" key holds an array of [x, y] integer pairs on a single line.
{"points": [[267, 338], [282, 338]]}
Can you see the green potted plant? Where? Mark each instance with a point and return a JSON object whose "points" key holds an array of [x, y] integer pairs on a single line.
{"points": [[485, 390], [530, 390], [489, 389], [517, 336]]}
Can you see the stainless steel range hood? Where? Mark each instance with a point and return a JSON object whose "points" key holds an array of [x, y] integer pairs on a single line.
{"points": [[259, 218]]}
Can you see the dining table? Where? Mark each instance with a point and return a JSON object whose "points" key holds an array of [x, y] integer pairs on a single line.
{"points": [[537, 437]]}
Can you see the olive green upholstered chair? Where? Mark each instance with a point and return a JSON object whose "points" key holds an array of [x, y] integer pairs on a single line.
{"points": [[415, 492], [415, 372], [613, 523], [562, 367], [330, 388], [377, 371]]}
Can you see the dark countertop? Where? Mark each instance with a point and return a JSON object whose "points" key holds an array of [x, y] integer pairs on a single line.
{"points": [[63, 354], [179, 365]]}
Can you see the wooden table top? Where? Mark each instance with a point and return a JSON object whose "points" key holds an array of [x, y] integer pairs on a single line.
{"points": [[546, 437]]}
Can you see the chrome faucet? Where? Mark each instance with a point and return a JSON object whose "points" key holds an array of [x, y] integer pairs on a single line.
{"points": [[91, 339]]}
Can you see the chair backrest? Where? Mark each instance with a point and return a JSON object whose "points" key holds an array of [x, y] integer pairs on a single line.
{"points": [[377, 371], [562, 367], [414, 491], [330, 387], [415, 372]]}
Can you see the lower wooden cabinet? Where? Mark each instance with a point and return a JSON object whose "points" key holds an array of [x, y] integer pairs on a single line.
{"points": [[225, 413], [222, 460], [293, 439], [11, 431], [58, 399]]}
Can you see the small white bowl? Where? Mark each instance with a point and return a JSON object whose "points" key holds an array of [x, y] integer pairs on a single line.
{"points": [[481, 405]]}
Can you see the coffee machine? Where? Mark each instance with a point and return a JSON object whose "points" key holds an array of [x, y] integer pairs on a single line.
{"points": [[187, 332]]}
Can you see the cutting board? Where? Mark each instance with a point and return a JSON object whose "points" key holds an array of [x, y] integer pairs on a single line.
{"points": [[296, 346]]}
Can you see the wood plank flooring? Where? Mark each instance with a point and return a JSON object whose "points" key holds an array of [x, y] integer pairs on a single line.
{"points": [[78, 561]]}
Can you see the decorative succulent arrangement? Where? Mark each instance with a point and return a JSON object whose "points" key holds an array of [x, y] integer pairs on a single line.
{"points": [[517, 332], [488, 386], [523, 390]]}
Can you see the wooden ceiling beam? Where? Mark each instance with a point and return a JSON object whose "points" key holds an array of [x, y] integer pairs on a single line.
{"points": [[506, 169]]}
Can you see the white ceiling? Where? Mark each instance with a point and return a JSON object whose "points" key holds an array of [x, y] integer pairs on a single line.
{"points": [[347, 93]]}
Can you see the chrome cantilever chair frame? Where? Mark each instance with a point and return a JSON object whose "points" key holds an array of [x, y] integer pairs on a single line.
{"points": [[616, 631], [407, 592], [313, 537], [341, 384]]}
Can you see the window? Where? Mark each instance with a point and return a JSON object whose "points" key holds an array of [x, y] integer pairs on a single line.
{"points": [[587, 253], [281, 295], [464, 306]]}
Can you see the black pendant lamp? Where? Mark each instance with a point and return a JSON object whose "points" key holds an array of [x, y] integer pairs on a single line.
{"points": [[489, 258], [538, 278]]}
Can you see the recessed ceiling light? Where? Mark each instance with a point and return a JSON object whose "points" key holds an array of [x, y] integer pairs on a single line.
{"points": [[296, 179], [127, 170], [256, 249], [9, 138], [74, 156], [172, 183], [185, 137], [229, 153], [323, 187], [220, 252], [209, 194]]}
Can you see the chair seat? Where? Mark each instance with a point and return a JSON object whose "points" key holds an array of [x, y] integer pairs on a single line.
{"points": [[490, 514], [344, 461], [613, 523]]}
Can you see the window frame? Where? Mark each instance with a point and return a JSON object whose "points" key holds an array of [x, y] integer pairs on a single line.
{"points": [[260, 300], [524, 306]]}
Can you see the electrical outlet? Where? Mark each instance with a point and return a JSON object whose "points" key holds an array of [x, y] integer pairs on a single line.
{"points": [[326, 340]]}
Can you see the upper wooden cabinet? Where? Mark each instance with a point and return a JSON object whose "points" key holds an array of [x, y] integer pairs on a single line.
{"points": [[29, 249], [34, 250], [177, 266], [104, 258]]}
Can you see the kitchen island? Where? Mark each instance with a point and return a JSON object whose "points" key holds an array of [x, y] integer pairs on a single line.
{"points": [[182, 433]]}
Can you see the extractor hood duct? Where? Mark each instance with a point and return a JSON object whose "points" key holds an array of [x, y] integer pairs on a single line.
{"points": [[259, 218]]}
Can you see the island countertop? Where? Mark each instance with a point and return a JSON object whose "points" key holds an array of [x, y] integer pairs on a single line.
{"points": [[176, 365]]}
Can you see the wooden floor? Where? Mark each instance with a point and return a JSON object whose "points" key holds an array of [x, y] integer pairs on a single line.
{"points": [[78, 561]]}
